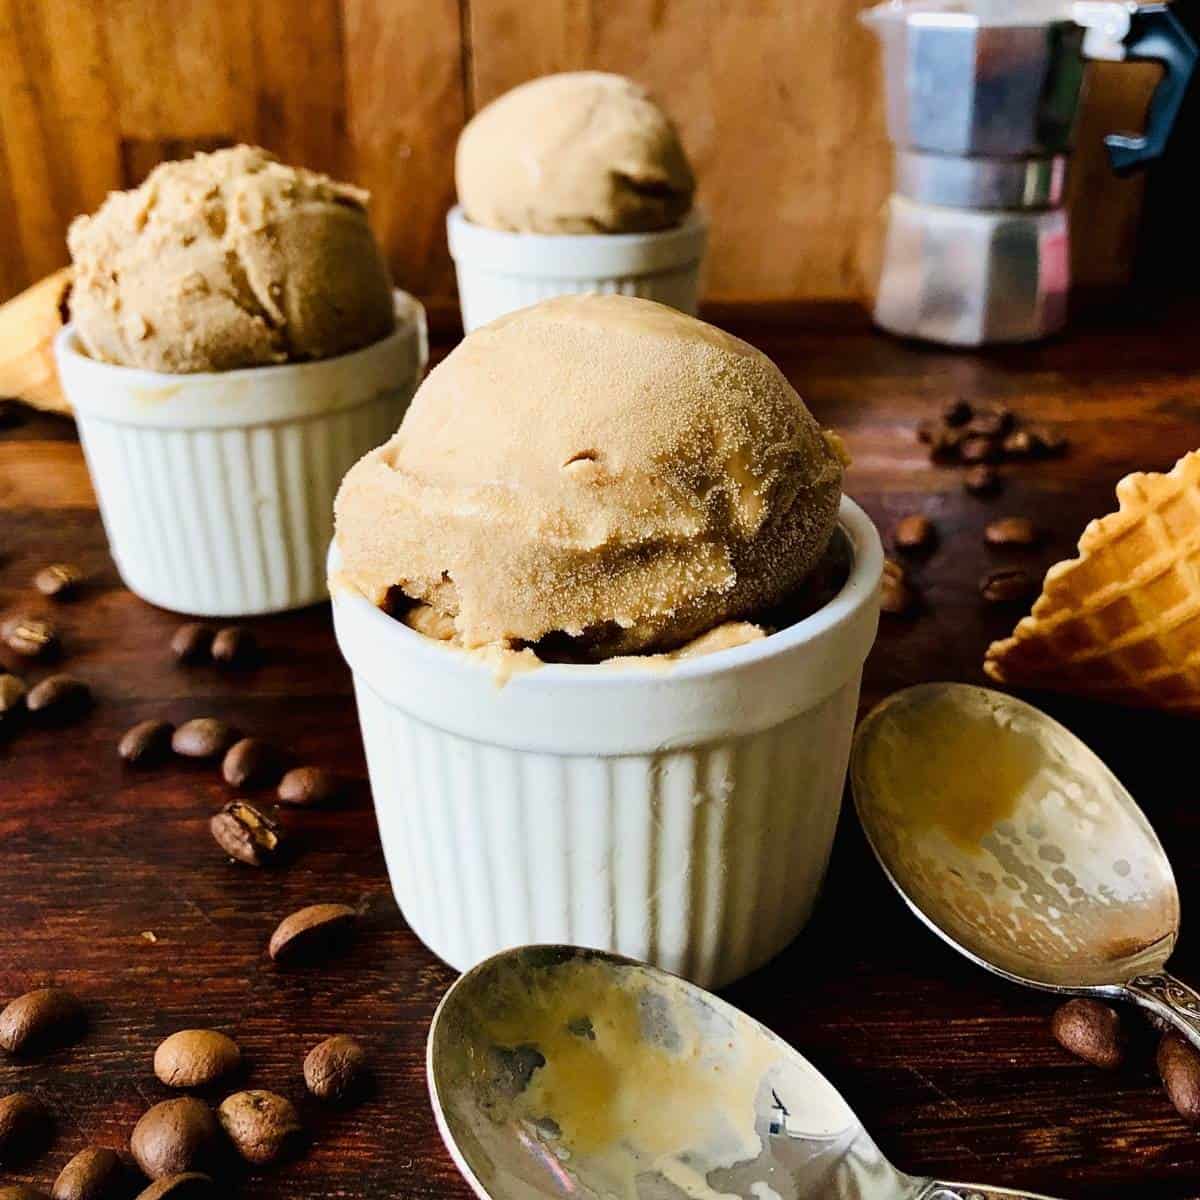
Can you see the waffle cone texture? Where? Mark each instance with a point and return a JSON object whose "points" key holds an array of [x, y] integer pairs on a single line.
{"points": [[1121, 622]]}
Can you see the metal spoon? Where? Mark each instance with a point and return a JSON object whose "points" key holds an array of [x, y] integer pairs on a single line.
{"points": [[1011, 840], [561, 1072]]}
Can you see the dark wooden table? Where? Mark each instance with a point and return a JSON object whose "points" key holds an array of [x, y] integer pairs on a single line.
{"points": [[110, 884]]}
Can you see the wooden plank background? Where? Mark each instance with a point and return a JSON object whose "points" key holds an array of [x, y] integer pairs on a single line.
{"points": [[778, 101]]}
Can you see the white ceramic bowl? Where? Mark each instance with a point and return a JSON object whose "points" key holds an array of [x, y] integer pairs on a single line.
{"points": [[217, 489], [499, 271], [678, 814]]}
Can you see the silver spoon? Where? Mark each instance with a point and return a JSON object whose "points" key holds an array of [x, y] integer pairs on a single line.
{"points": [[561, 1072], [1011, 840]]}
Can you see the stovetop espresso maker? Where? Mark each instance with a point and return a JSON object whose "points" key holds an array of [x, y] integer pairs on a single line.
{"points": [[982, 99]]}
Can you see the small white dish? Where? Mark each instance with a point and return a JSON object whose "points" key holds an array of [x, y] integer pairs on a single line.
{"points": [[681, 814], [217, 489], [499, 271]]}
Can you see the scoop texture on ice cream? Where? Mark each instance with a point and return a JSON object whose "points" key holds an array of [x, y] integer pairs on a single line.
{"points": [[228, 260], [596, 469], [577, 153]]}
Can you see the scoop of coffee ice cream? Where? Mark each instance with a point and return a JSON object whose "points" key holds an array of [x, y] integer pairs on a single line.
{"points": [[228, 260], [595, 468], [583, 152]]}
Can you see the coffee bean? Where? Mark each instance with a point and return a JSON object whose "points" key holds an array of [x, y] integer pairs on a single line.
{"points": [[307, 787], [990, 423], [336, 1070], [202, 737], [19, 1191], [246, 834], [12, 694], [96, 1173], [175, 1136], [249, 763], [1048, 443], [312, 933], [1007, 586], [192, 641], [147, 742], [914, 533], [10, 413], [196, 1058], [896, 597], [26, 1128], [978, 450], [982, 481], [1019, 444], [1011, 531], [41, 1020], [1179, 1067], [191, 1185], [29, 636], [60, 580], [946, 445], [263, 1126], [59, 698], [234, 646], [1091, 1031], [957, 412]]}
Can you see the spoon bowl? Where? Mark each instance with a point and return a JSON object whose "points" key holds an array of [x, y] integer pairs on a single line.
{"points": [[557, 1072], [1015, 843]]}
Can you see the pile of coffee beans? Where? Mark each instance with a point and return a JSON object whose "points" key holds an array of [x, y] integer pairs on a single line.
{"points": [[56, 699], [227, 646], [45, 1019], [1094, 1032], [181, 1145], [916, 535], [244, 831], [978, 438]]}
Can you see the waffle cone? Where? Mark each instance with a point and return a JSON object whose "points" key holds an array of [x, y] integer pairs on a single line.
{"points": [[1122, 621], [28, 324]]}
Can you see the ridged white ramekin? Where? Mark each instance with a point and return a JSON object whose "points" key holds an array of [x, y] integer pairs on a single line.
{"points": [[499, 271], [216, 490], [678, 814]]}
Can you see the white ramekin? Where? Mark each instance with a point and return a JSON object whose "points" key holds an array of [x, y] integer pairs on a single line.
{"points": [[499, 271], [216, 490], [678, 814]]}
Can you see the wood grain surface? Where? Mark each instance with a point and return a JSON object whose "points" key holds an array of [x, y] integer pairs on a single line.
{"points": [[779, 105], [110, 884]]}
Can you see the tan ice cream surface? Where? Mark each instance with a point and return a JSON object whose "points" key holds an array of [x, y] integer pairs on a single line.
{"points": [[583, 152], [599, 471], [228, 260]]}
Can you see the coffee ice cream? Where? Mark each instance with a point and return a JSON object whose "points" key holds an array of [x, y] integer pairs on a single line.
{"points": [[227, 260], [583, 152], [595, 476]]}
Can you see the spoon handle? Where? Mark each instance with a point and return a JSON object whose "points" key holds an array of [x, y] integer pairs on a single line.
{"points": [[1170, 1000], [974, 1191]]}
